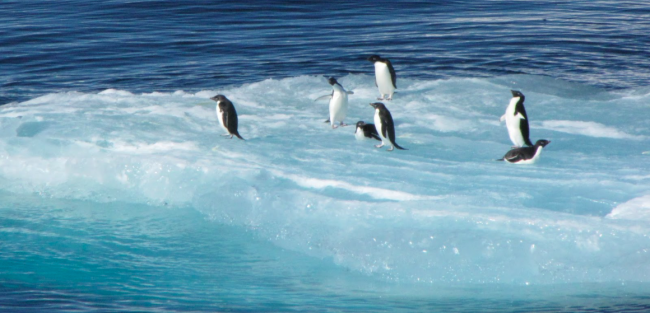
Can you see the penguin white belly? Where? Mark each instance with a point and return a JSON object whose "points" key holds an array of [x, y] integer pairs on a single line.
{"points": [[384, 80], [384, 140], [359, 135], [338, 107], [220, 116], [512, 123]]}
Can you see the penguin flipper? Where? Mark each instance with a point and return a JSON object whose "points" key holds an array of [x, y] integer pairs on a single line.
{"points": [[520, 111], [350, 92], [371, 134], [525, 131], [514, 155], [384, 127], [393, 77], [324, 97]]}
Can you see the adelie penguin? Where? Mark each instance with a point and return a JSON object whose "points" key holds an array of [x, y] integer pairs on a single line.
{"points": [[525, 155], [384, 126], [227, 115], [517, 120], [365, 131], [338, 103], [385, 77]]}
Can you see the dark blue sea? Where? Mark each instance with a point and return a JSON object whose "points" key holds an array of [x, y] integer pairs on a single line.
{"points": [[118, 194]]}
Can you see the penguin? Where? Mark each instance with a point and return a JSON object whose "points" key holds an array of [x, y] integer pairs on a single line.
{"points": [[517, 120], [384, 126], [525, 155], [385, 78], [227, 115], [338, 103], [366, 131]]}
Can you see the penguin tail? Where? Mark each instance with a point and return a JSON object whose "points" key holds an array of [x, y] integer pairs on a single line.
{"points": [[501, 159], [240, 137], [398, 147]]}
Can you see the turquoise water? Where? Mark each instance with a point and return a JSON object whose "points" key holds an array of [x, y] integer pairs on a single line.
{"points": [[124, 257]]}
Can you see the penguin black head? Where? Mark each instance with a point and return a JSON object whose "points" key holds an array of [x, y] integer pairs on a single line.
{"points": [[374, 58], [219, 98], [332, 81], [360, 124], [516, 93], [378, 105], [542, 142]]}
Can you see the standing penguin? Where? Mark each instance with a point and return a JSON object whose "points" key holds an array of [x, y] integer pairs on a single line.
{"points": [[338, 103], [364, 131], [517, 120], [227, 115], [385, 78], [385, 127], [525, 155]]}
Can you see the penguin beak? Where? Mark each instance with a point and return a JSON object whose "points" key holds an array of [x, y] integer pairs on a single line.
{"points": [[373, 105]]}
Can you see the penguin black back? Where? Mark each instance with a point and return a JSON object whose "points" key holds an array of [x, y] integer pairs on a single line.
{"points": [[525, 154], [384, 124], [368, 130], [227, 115]]}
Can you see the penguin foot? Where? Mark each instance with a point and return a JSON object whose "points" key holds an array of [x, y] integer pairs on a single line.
{"points": [[343, 124], [389, 98], [379, 146], [328, 120], [226, 135], [334, 126], [380, 98], [391, 148]]}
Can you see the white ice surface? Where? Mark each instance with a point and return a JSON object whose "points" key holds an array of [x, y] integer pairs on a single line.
{"points": [[443, 211]]}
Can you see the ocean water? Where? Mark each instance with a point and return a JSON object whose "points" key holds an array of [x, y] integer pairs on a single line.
{"points": [[118, 192]]}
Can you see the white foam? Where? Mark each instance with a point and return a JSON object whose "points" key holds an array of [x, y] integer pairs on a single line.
{"points": [[377, 193], [591, 129], [157, 147], [117, 92], [635, 209], [447, 124]]}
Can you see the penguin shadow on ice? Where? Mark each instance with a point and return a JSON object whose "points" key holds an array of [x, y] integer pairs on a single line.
{"points": [[338, 103], [227, 116], [523, 151]]}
